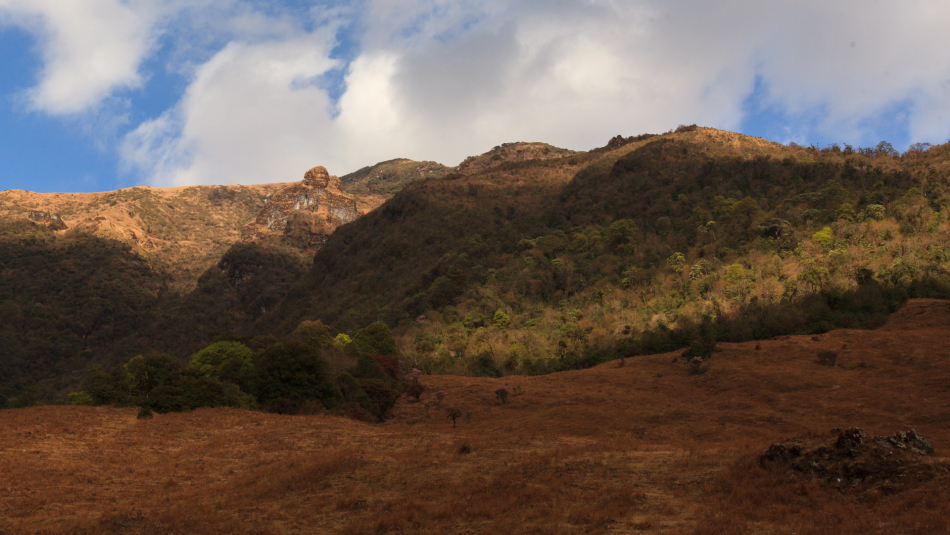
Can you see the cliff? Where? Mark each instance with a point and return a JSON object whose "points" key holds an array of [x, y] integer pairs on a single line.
{"points": [[304, 214]]}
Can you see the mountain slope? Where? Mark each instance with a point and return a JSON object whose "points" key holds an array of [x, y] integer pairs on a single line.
{"points": [[388, 178], [538, 265], [179, 231], [541, 261]]}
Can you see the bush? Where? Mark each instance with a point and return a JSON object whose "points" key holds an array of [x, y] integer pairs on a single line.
{"points": [[391, 365], [352, 392], [145, 413], [314, 334], [228, 361], [30, 396], [696, 366], [109, 388], [353, 411], [415, 390], [375, 339], [502, 394], [79, 398], [383, 397]]}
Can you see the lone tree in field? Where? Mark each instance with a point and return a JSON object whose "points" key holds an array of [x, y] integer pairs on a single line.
{"points": [[454, 414]]}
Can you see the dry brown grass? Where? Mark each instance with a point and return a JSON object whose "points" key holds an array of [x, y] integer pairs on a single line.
{"points": [[645, 448]]}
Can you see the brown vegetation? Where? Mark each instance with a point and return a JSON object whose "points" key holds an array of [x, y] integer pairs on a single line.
{"points": [[180, 231], [643, 448]]}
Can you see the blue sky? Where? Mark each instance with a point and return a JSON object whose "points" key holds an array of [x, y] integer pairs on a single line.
{"points": [[102, 94]]}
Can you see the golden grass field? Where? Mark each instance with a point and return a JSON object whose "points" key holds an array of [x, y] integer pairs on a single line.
{"points": [[643, 448]]}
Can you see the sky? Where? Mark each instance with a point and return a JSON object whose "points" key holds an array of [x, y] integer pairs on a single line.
{"points": [[97, 95]]}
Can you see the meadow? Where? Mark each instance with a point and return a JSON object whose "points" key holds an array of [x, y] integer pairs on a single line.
{"points": [[647, 447]]}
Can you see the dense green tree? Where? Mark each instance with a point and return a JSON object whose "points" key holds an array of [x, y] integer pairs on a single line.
{"points": [[112, 387], [290, 373], [313, 333], [228, 361], [375, 339]]}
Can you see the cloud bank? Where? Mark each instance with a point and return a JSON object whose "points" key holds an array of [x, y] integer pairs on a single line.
{"points": [[273, 90]]}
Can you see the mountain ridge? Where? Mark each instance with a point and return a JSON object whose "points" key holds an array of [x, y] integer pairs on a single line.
{"points": [[533, 265]]}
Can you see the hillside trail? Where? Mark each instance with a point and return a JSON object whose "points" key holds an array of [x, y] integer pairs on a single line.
{"points": [[646, 447]]}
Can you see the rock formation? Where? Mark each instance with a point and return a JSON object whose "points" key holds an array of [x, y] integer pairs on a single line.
{"points": [[53, 220], [305, 213], [853, 462]]}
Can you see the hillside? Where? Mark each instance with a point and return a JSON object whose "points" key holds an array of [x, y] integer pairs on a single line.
{"points": [[511, 153], [180, 232], [643, 448], [537, 266], [527, 260], [388, 178]]}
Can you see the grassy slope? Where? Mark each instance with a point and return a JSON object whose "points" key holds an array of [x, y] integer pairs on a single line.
{"points": [[179, 231], [642, 448]]}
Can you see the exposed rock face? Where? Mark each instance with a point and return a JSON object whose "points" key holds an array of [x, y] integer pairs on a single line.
{"points": [[306, 213], [53, 220]]}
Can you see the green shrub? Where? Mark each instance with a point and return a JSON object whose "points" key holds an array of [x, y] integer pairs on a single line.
{"points": [[30, 396], [289, 373], [228, 361], [375, 339], [79, 398]]}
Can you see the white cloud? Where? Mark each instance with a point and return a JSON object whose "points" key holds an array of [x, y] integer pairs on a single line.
{"points": [[253, 114], [89, 48], [443, 79]]}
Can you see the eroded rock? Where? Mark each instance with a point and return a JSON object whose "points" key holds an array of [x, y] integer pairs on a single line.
{"points": [[53, 220], [306, 213]]}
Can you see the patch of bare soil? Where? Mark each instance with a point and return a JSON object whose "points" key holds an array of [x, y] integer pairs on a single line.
{"points": [[643, 448]]}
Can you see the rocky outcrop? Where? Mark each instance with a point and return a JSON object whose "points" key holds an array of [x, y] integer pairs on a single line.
{"points": [[53, 220], [854, 462], [304, 213]]}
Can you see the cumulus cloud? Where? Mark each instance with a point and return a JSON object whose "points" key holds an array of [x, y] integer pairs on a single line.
{"points": [[253, 114], [89, 48], [444, 79]]}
